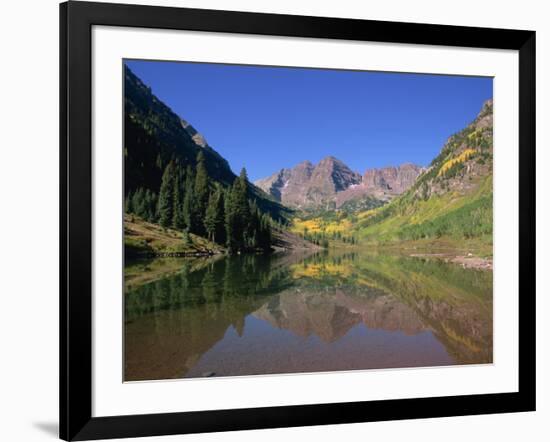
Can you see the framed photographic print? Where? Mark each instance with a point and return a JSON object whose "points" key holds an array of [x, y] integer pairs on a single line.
{"points": [[272, 220]]}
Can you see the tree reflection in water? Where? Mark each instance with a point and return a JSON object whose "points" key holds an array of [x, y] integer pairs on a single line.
{"points": [[256, 314]]}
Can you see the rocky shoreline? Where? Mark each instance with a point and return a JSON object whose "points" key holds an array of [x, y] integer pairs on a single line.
{"points": [[196, 254], [468, 261]]}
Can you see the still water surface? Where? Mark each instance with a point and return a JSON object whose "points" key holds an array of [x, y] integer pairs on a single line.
{"points": [[289, 313]]}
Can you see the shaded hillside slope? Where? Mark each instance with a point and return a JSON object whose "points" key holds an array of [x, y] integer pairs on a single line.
{"points": [[154, 136]]}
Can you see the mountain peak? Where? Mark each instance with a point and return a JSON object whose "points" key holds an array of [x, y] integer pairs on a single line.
{"points": [[330, 183], [331, 175], [303, 165], [330, 158]]}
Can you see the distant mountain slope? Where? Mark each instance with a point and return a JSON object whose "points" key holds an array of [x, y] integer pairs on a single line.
{"points": [[382, 184], [451, 198], [154, 135], [309, 186], [331, 184]]}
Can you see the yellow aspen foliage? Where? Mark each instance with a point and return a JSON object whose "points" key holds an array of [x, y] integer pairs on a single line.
{"points": [[459, 159]]}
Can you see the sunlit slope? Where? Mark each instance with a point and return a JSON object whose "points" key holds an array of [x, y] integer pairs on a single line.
{"points": [[452, 199]]}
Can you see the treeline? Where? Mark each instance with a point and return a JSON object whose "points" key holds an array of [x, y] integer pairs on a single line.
{"points": [[322, 238], [189, 202], [337, 236]]}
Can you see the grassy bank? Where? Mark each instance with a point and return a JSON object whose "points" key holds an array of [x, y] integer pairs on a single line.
{"points": [[142, 238]]}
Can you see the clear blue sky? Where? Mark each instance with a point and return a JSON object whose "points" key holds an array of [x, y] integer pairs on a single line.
{"points": [[267, 118]]}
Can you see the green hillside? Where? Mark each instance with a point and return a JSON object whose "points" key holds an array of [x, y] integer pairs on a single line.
{"points": [[452, 199]]}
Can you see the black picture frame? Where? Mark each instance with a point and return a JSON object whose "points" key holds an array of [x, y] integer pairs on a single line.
{"points": [[76, 21]]}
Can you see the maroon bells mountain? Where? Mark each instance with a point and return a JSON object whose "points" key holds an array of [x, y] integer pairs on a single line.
{"points": [[331, 184]]}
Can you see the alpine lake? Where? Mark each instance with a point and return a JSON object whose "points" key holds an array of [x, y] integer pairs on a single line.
{"points": [[295, 313]]}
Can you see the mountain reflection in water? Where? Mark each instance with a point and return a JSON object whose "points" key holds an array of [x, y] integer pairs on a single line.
{"points": [[255, 314]]}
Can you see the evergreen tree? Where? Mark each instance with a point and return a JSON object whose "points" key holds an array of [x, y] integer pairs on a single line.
{"points": [[153, 207], [252, 231], [242, 208], [212, 214], [178, 221], [149, 207], [139, 203], [185, 237], [128, 207], [201, 190], [166, 196], [228, 210], [265, 237], [220, 221], [237, 215], [188, 208], [136, 201]]}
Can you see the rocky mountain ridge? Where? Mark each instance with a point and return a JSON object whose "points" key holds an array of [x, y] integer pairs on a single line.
{"points": [[331, 184]]}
